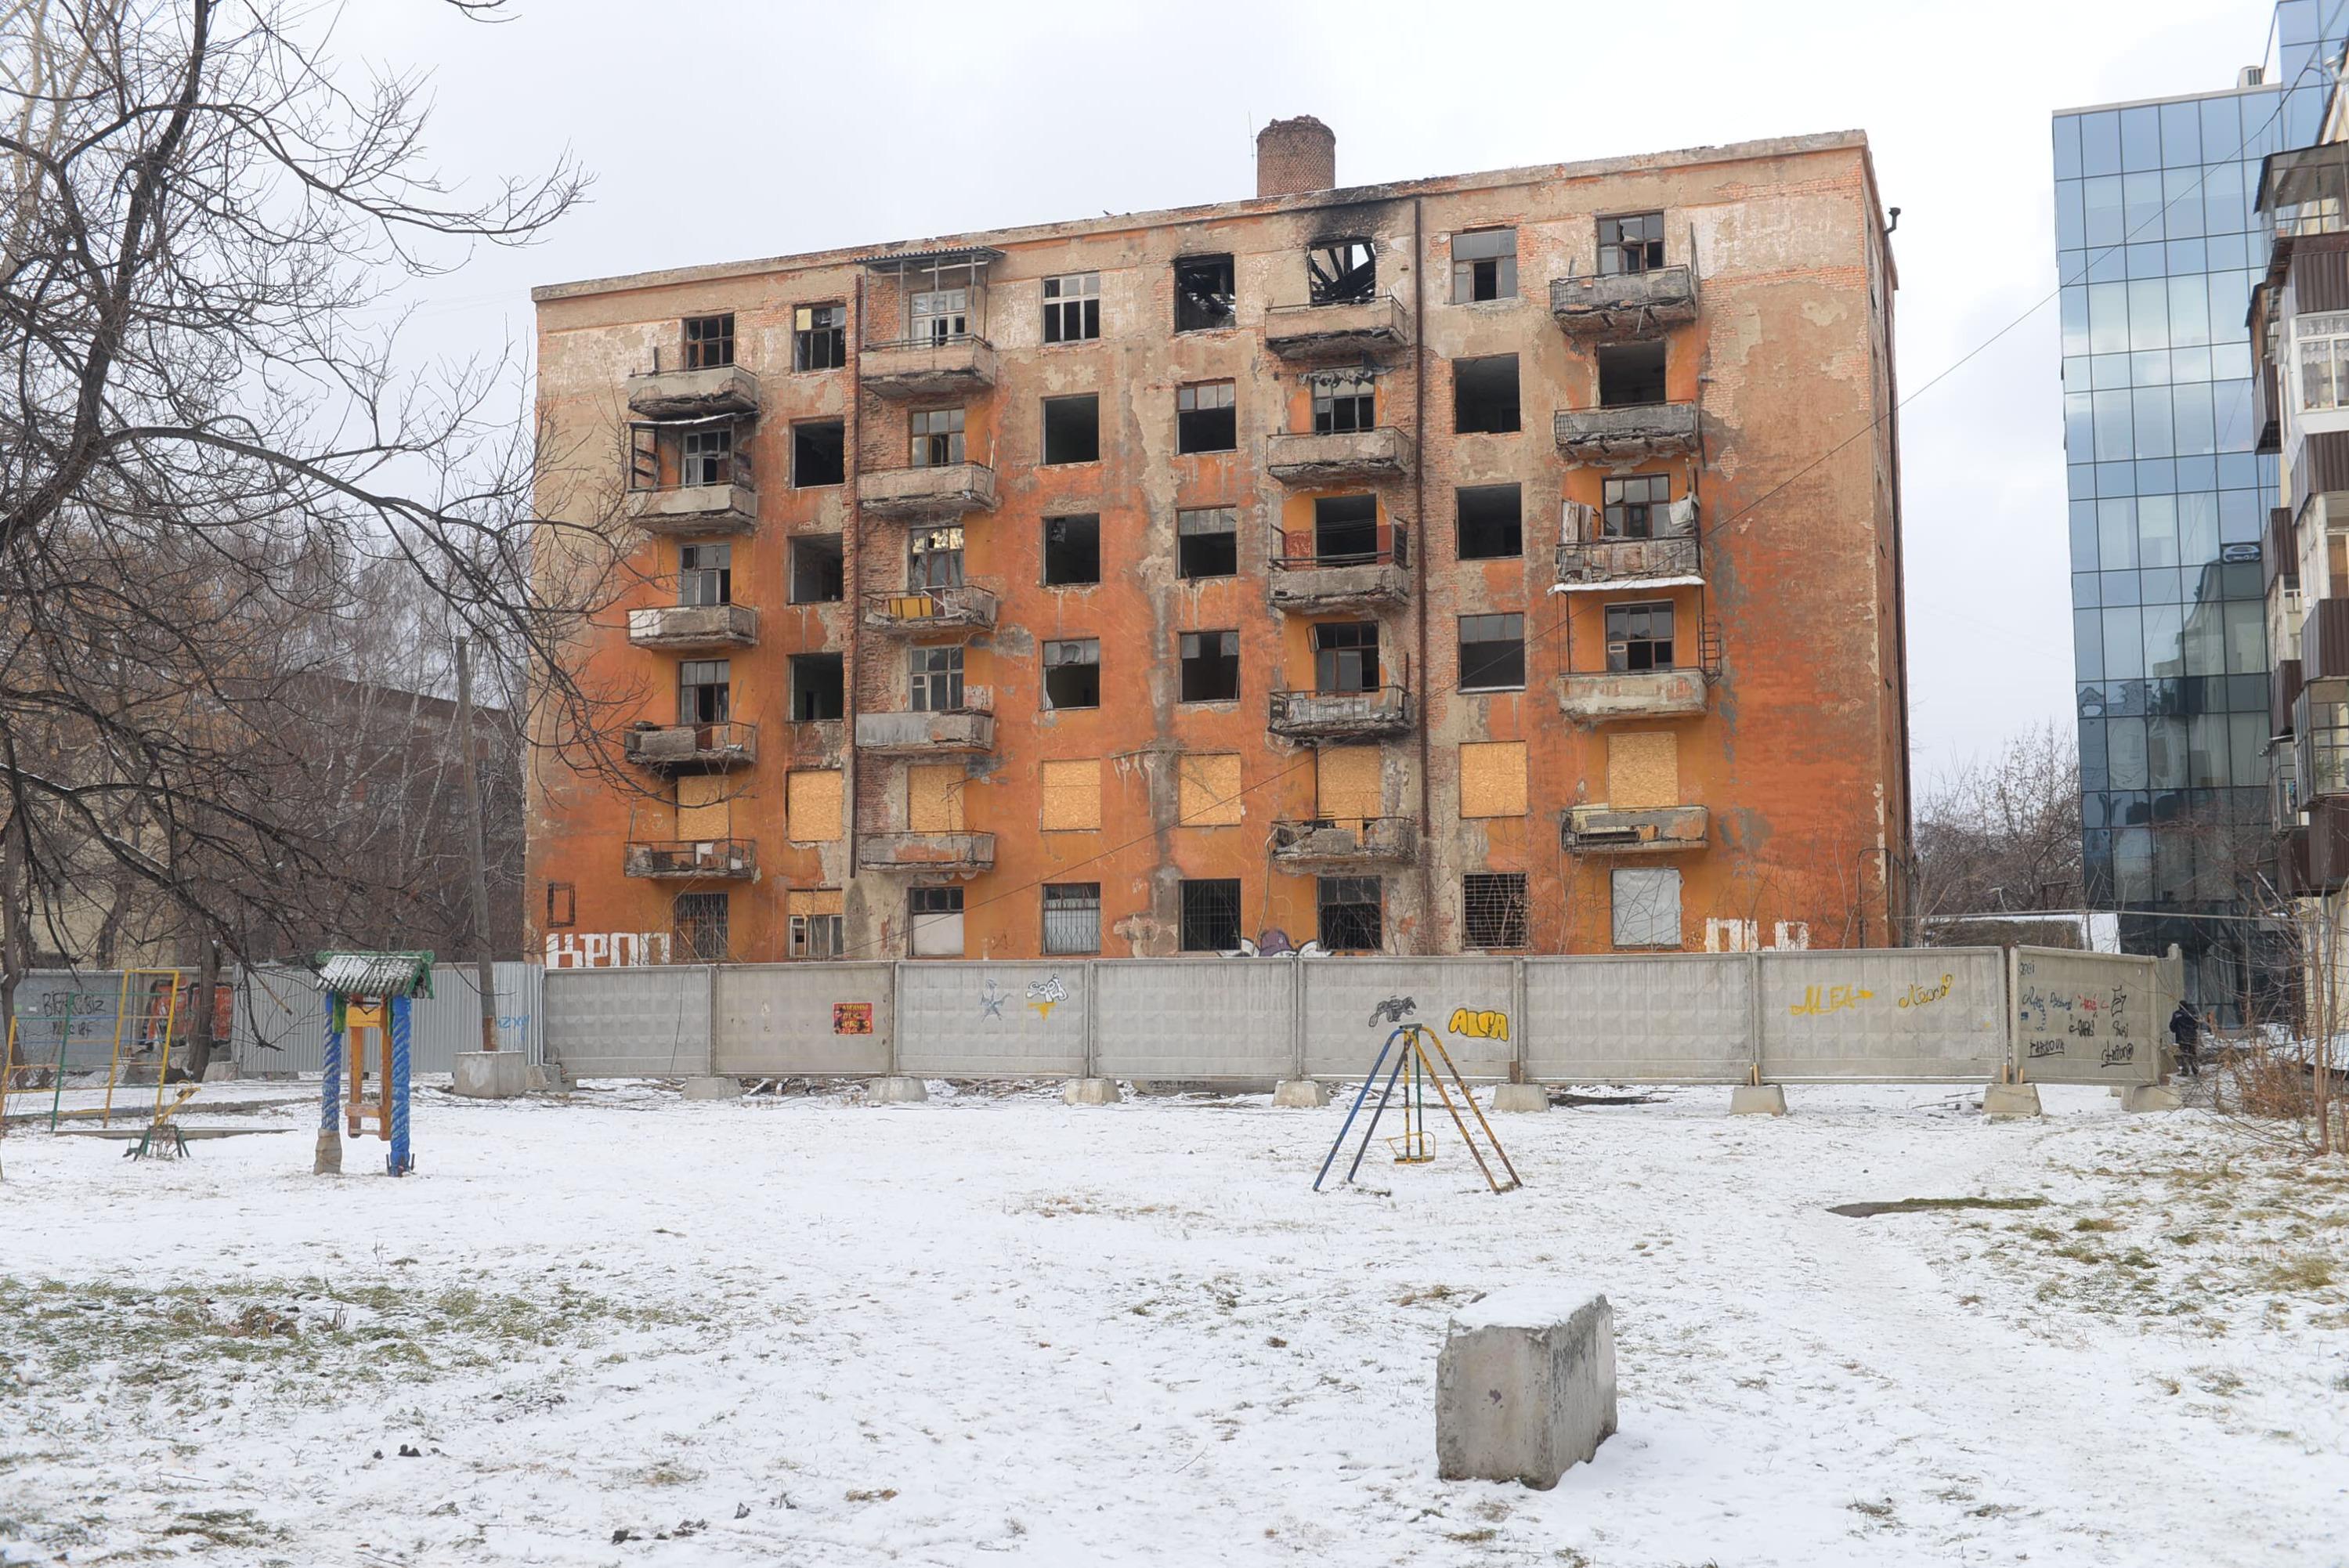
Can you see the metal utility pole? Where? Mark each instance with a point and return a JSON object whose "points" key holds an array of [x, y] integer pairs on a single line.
{"points": [[487, 979]]}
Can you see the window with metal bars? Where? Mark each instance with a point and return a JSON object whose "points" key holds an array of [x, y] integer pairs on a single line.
{"points": [[1633, 243], [1353, 914], [1073, 307], [1343, 403], [700, 921], [819, 337], [1635, 505], [1484, 265], [1072, 917], [1638, 638], [1493, 910], [708, 341], [705, 574], [935, 676], [937, 437], [1346, 657], [1206, 418], [1341, 272], [1211, 914]]}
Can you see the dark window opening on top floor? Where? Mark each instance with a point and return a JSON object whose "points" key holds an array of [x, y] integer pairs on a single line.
{"points": [[1631, 374], [819, 453], [1491, 522], [1484, 265], [708, 341], [1341, 272], [819, 687], [1202, 293], [1484, 395], [1073, 429], [819, 337], [1071, 551], [1633, 243]]}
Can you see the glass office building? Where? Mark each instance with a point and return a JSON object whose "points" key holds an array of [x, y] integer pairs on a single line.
{"points": [[2156, 250]]}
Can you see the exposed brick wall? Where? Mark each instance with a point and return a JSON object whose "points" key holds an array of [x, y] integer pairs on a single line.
{"points": [[1296, 156]]}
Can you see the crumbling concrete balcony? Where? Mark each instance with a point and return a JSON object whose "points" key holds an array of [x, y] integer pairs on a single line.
{"points": [[1339, 841], [687, 628], [1321, 334], [1309, 461], [927, 367], [684, 394], [920, 733], [925, 851], [1624, 305], [1663, 830], [917, 610], [695, 508], [1632, 693], [1340, 715], [1596, 563], [1633, 434], [693, 857], [692, 748], [949, 489], [1311, 574]]}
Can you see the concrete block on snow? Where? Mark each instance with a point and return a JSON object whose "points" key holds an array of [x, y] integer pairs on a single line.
{"points": [[713, 1088], [1091, 1091], [2005, 1101], [1300, 1094], [490, 1075], [896, 1090], [1526, 1386], [1758, 1099], [2151, 1097], [220, 1072], [1526, 1096]]}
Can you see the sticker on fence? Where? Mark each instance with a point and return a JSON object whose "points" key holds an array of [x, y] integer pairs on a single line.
{"points": [[851, 1018]]}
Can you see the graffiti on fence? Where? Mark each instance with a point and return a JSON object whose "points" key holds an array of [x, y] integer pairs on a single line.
{"points": [[1478, 1026], [1926, 995], [991, 997], [605, 949], [2089, 1024], [1818, 1001], [1042, 994]]}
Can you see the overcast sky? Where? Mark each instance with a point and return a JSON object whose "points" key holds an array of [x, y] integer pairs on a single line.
{"points": [[722, 130]]}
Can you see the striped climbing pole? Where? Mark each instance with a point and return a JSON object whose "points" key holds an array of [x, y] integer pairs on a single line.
{"points": [[402, 1161], [330, 1082]]}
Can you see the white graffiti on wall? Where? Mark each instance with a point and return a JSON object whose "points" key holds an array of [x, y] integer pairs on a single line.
{"points": [[605, 949]]}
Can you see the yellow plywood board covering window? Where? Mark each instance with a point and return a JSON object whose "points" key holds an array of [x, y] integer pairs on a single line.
{"points": [[812, 803], [1348, 782], [1493, 779], [1643, 770], [1072, 796], [934, 797], [702, 812], [813, 901], [1210, 791]]}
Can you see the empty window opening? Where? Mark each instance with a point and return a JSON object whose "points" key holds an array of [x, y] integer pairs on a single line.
{"points": [[935, 916], [819, 453], [1071, 551], [1072, 673], [1638, 638], [819, 337], [1202, 293], [1484, 265], [1345, 530], [708, 341], [1492, 653], [938, 315], [1637, 507], [1646, 908], [705, 574], [1205, 417], [705, 457], [934, 558], [1484, 395], [1072, 917], [1073, 429], [1346, 657], [1207, 541], [562, 903], [1631, 374], [1491, 522], [818, 573], [1351, 914], [1073, 307], [1211, 666], [705, 692], [1493, 909], [1341, 272], [819, 687], [937, 437], [1633, 243], [1343, 401], [698, 920], [934, 682], [1211, 914]]}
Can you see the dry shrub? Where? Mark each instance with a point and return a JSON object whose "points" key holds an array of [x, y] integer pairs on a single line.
{"points": [[2273, 1084]]}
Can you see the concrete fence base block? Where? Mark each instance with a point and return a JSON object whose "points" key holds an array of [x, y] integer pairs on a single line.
{"points": [[2007, 1101], [1091, 1091], [220, 1072], [1758, 1099], [326, 1159], [713, 1088], [896, 1090], [1300, 1094], [490, 1075], [2152, 1096], [1520, 1097], [1526, 1386]]}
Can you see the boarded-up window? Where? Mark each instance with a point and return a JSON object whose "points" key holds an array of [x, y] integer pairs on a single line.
{"points": [[1210, 791], [815, 921], [1072, 796], [1493, 779], [702, 812], [1643, 770], [812, 803], [934, 797], [1348, 784]]}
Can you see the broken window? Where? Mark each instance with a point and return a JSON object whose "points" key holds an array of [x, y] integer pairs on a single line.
{"points": [[1345, 530], [1072, 917], [708, 341], [1205, 417], [1073, 429], [819, 337], [815, 923], [1646, 908], [1346, 657], [1073, 307], [1631, 243], [705, 574], [819, 453], [704, 691], [1484, 265], [1493, 909], [1492, 653], [1484, 395], [938, 315], [818, 576], [934, 558], [1351, 910], [1211, 666], [935, 916], [1491, 522], [705, 457], [937, 434], [1072, 673], [1638, 638], [1631, 374], [935, 679], [1071, 551], [698, 920], [1343, 401], [1207, 541], [819, 687], [1211, 914], [1341, 272], [1637, 506], [1202, 293]]}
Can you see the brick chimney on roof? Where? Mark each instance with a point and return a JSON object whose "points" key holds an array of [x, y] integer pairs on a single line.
{"points": [[1294, 156]]}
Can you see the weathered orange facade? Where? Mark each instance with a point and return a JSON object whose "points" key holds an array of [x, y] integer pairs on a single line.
{"points": [[1716, 323]]}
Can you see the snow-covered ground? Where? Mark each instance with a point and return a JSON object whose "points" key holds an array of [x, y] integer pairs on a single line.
{"points": [[629, 1329]]}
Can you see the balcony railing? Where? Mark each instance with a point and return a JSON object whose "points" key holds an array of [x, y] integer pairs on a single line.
{"points": [[927, 366], [702, 393], [1632, 693], [1340, 715], [925, 851], [692, 748], [1666, 561], [1631, 434], [686, 627], [929, 609], [1309, 458], [1601, 831], [913, 734], [1310, 572], [1344, 840], [949, 489], [692, 858], [1622, 305], [1306, 333]]}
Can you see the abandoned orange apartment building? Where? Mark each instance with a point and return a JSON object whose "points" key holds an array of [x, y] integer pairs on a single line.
{"points": [[1497, 562]]}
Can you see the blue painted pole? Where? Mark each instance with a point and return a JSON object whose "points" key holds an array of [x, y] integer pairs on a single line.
{"points": [[327, 1160], [402, 1161], [1356, 1110]]}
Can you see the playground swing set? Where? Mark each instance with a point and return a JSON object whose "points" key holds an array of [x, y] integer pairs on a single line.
{"points": [[144, 1021], [1416, 1070]]}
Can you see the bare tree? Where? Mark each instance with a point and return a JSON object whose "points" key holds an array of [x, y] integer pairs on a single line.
{"points": [[2002, 835]]}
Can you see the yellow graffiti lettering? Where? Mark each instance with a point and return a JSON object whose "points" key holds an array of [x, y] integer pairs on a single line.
{"points": [[1479, 1026], [1818, 1001], [1919, 996]]}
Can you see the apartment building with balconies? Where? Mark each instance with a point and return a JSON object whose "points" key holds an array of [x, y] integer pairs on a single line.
{"points": [[1497, 562]]}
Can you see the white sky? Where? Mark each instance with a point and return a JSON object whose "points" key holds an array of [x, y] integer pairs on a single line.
{"points": [[722, 130]]}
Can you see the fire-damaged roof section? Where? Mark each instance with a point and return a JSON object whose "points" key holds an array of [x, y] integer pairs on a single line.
{"points": [[376, 974]]}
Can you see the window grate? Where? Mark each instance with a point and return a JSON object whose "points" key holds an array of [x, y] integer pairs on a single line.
{"points": [[1072, 917], [1351, 911], [701, 922], [1493, 909], [1211, 915]]}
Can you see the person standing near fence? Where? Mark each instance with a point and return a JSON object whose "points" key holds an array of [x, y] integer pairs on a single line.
{"points": [[2186, 1030]]}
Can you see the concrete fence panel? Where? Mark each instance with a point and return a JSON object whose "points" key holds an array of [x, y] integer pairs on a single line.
{"points": [[2089, 1017], [1885, 1015], [650, 1021], [821, 1020], [1469, 1004], [1667, 1019], [1226, 1020], [993, 1020], [69, 1018]]}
